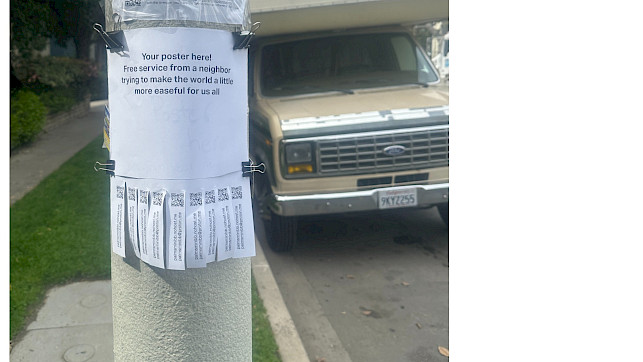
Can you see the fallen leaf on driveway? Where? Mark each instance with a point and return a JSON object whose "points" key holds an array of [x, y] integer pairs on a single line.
{"points": [[443, 351]]}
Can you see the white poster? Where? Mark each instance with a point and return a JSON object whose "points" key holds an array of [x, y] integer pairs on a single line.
{"points": [[178, 132], [211, 11], [178, 104]]}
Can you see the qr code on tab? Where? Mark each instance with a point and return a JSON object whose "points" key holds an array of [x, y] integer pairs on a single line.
{"points": [[236, 193], [142, 196], [178, 199], [196, 198], [210, 197], [120, 192], [157, 198], [223, 194], [131, 194]]}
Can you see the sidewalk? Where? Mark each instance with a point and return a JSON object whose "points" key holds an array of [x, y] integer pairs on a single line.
{"points": [[75, 322]]}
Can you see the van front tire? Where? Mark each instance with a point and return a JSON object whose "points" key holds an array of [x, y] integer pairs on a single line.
{"points": [[282, 233]]}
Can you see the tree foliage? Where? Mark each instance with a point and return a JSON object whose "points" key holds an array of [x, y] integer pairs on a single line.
{"points": [[35, 21], [73, 19], [30, 24]]}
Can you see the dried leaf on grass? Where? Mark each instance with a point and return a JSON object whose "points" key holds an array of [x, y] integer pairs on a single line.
{"points": [[443, 351]]}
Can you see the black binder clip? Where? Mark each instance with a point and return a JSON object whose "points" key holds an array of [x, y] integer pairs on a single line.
{"points": [[113, 39], [107, 167], [242, 39], [248, 168]]}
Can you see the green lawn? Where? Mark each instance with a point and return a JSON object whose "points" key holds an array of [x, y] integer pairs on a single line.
{"points": [[60, 234]]}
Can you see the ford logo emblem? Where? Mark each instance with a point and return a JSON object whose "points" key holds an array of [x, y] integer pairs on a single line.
{"points": [[394, 150]]}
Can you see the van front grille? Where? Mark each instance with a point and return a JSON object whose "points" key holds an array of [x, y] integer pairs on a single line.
{"points": [[428, 147]]}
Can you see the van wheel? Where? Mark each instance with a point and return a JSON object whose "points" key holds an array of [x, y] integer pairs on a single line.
{"points": [[283, 232], [443, 209]]}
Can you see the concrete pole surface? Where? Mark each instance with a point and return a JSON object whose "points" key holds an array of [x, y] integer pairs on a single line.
{"points": [[200, 314], [182, 315]]}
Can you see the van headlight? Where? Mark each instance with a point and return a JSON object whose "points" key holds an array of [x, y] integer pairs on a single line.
{"points": [[299, 158]]}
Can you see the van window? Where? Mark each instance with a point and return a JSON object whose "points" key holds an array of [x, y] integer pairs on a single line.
{"points": [[404, 53], [342, 63]]}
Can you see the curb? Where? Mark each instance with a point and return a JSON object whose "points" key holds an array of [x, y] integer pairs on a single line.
{"points": [[291, 348]]}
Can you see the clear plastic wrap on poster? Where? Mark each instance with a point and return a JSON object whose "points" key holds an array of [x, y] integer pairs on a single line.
{"points": [[233, 12]]}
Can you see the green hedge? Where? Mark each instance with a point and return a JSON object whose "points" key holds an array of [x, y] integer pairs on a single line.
{"points": [[59, 100], [56, 72], [50, 85], [27, 117], [61, 82]]}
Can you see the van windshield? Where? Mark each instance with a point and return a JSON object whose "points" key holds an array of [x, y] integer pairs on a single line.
{"points": [[342, 63]]}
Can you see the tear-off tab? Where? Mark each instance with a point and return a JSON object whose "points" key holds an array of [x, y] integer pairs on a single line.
{"points": [[179, 224]]}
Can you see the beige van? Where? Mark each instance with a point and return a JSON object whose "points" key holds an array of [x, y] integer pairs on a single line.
{"points": [[345, 121]]}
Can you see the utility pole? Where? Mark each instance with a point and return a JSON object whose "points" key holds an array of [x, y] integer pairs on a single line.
{"points": [[192, 315], [179, 292]]}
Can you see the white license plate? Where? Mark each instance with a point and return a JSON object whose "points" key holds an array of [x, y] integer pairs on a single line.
{"points": [[390, 199]]}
